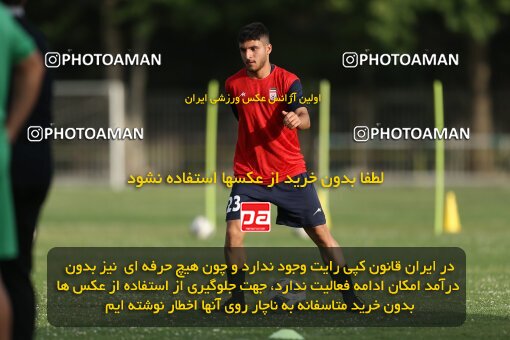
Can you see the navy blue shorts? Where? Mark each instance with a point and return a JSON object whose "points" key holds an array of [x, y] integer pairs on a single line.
{"points": [[297, 207]]}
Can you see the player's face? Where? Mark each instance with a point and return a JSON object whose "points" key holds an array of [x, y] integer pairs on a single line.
{"points": [[255, 54]]}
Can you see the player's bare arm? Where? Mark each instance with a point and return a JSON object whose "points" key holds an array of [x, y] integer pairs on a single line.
{"points": [[299, 119]]}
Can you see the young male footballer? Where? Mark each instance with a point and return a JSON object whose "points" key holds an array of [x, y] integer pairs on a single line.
{"points": [[267, 143]]}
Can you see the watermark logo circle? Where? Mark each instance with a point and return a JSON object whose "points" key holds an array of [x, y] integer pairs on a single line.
{"points": [[350, 59], [361, 133], [52, 59], [35, 133]]}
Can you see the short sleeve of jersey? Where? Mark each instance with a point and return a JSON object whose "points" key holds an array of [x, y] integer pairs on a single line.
{"points": [[21, 44], [232, 106], [298, 90]]}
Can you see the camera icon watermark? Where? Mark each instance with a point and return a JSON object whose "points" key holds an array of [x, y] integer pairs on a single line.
{"points": [[350, 59], [52, 59], [361, 133], [35, 133]]}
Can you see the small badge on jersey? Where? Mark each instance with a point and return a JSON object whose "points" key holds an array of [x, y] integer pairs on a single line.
{"points": [[272, 93], [255, 216]]}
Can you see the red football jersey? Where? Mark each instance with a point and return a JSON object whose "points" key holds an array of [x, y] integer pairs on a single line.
{"points": [[264, 145]]}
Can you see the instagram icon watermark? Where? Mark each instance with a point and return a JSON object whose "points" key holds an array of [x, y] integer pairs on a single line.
{"points": [[35, 133], [38, 133], [363, 134], [56, 59], [350, 59], [353, 59]]}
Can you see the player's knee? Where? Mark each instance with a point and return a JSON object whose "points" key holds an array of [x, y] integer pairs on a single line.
{"points": [[233, 241], [321, 236], [234, 237], [325, 243]]}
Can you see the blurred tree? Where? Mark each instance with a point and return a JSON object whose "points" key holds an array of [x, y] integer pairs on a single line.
{"points": [[117, 14], [143, 18], [356, 30], [189, 31], [476, 20]]}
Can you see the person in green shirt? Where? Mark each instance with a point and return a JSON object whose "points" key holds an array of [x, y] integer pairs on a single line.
{"points": [[17, 53]]}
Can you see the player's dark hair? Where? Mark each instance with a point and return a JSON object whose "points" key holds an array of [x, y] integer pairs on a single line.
{"points": [[253, 31]]}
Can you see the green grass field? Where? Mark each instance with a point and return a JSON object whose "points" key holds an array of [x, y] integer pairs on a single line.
{"points": [[361, 217]]}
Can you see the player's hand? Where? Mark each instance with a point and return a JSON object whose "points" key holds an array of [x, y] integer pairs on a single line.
{"points": [[291, 120]]}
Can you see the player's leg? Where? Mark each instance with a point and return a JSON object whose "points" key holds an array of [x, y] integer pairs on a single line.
{"points": [[234, 237], [32, 162], [235, 256], [16, 272], [329, 248], [5, 313], [331, 252], [234, 243], [300, 207]]}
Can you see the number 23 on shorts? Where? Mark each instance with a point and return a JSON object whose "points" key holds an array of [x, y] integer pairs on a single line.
{"points": [[234, 204]]}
